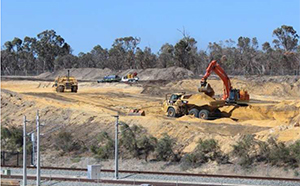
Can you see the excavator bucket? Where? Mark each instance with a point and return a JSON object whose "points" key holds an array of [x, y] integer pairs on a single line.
{"points": [[136, 112], [206, 88]]}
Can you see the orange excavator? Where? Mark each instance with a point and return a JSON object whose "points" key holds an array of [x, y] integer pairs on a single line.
{"points": [[230, 95]]}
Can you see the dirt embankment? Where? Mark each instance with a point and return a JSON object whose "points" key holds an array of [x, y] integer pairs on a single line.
{"points": [[171, 73], [90, 111]]}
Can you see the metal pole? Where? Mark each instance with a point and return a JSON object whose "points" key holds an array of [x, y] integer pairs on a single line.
{"points": [[24, 153], [33, 149], [38, 171], [116, 148]]}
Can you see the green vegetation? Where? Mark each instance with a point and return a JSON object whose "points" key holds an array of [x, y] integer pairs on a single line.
{"points": [[11, 139], [247, 152], [244, 56], [135, 142], [206, 151], [106, 149], [66, 143], [164, 148], [250, 151]]}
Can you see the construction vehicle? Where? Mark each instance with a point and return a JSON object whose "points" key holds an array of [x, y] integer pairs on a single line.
{"points": [[136, 112], [200, 105], [131, 78], [62, 83], [231, 96], [110, 79]]}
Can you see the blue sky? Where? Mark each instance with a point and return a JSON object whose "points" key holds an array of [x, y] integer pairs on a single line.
{"points": [[86, 23]]}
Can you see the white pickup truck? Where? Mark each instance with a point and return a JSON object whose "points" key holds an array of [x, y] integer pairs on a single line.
{"points": [[129, 80]]}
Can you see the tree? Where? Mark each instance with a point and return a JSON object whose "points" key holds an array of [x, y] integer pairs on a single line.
{"points": [[287, 37], [129, 45], [65, 61], [116, 57], [85, 60], [185, 52], [149, 58], [99, 56], [139, 58], [49, 47], [166, 56]]}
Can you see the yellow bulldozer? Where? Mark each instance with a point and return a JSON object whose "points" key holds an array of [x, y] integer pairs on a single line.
{"points": [[62, 83]]}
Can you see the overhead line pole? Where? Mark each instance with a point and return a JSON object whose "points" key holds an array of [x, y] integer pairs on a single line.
{"points": [[24, 153], [116, 148], [38, 168]]}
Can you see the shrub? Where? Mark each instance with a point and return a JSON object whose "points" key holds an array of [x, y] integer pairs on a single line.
{"points": [[11, 139], [164, 148], [128, 140], [207, 150], [106, 149], [250, 150], [282, 155], [146, 145], [65, 142]]}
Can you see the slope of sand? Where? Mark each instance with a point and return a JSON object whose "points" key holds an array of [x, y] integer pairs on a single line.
{"points": [[91, 111]]}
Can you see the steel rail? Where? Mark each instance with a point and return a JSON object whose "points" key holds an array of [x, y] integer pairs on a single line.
{"points": [[171, 173]]}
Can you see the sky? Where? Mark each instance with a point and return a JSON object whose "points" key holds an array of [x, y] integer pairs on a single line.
{"points": [[87, 23]]}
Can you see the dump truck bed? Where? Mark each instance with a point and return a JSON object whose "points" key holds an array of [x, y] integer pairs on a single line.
{"points": [[202, 99]]}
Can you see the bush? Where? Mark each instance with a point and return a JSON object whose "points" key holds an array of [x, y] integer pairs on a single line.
{"points": [[250, 150], [244, 149], [11, 139], [128, 140], [146, 145], [282, 155], [207, 150], [106, 149], [65, 142], [164, 148]]}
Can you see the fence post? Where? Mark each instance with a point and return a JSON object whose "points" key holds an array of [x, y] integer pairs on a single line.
{"points": [[2, 158]]}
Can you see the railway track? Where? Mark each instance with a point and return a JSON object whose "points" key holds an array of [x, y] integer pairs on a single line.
{"points": [[107, 181], [292, 180]]}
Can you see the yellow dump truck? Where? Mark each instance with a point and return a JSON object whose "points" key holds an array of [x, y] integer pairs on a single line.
{"points": [[200, 105], [62, 83]]}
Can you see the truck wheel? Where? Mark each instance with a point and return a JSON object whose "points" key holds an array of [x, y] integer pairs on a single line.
{"points": [[61, 88], [218, 113], [74, 89], [204, 114], [194, 112], [171, 112]]}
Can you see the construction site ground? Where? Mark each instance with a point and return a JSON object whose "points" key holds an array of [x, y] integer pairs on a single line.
{"points": [[274, 110]]}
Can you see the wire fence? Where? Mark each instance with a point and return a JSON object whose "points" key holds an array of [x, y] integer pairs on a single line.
{"points": [[14, 158]]}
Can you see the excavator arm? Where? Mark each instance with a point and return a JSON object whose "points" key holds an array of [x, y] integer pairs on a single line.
{"points": [[215, 67]]}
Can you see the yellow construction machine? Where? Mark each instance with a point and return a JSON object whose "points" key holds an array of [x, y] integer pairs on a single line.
{"points": [[62, 83], [200, 105]]}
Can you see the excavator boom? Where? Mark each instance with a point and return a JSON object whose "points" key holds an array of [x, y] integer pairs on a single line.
{"points": [[230, 94], [215, 67]]}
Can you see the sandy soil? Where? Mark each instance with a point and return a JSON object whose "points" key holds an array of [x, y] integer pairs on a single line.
{"points": [[91, 110]]}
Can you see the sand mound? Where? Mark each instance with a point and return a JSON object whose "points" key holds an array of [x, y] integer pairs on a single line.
{"points": [[263, 86], [144, 74], [79, 73], [153, 91]]}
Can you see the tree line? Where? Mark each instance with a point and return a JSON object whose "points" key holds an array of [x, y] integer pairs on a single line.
{"points": [[50, 52]]}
